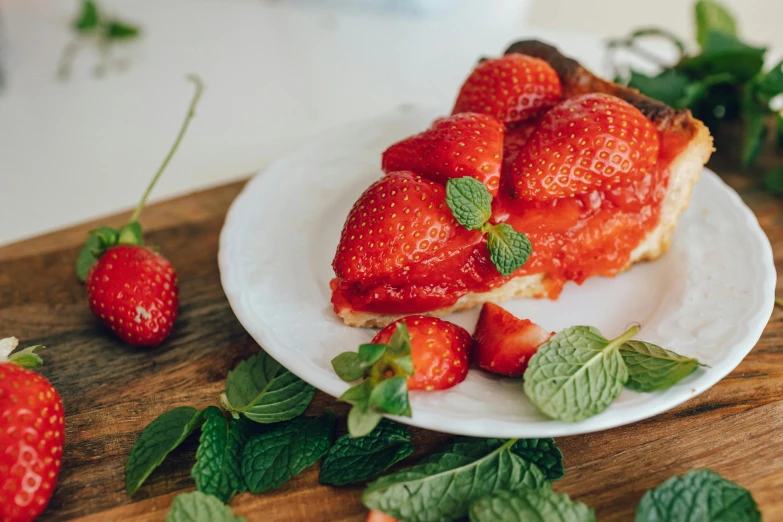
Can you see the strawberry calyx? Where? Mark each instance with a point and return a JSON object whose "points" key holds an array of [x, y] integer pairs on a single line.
{"points": [[384, 370], [26, 358]]}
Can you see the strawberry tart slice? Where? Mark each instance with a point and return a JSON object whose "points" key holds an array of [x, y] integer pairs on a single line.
{"points": [[543, 174]]}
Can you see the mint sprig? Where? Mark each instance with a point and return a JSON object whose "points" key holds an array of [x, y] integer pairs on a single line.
{"points": [[200, 507], [385, 369], [652, 368], [471, 204], [529, 504]]}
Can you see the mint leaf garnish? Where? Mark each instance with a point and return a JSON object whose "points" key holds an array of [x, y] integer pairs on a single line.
{"points": [[470, 202], [88, 17], [444, 484], [508, 249], [264, 391], [273, 457], [711, 16], [117, 30], [200, 507], [529, 504], [577, 373], [218, 468], [544, 453], [652, 368], [157, 440], [354, 460], [699, 495]]}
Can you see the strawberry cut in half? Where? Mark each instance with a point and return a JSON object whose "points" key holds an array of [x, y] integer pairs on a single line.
{"points": [[592, 142], [504, 343], [467, 144], [513, 88], [440, 351]]}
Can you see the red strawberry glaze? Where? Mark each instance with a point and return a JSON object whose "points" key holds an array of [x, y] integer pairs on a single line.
{"points": [[573, 239]]}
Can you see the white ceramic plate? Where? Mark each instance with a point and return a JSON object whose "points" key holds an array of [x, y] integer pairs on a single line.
{"points": [[709, 297]]}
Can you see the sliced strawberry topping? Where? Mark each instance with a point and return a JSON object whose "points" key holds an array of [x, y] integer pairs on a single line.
{"points": [[466, 144], [440, 351], [504, 343], [589, 142], [513, 88]]}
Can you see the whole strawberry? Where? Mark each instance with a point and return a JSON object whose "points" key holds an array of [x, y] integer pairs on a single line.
{"points": [[32, 427], [132, 289]]}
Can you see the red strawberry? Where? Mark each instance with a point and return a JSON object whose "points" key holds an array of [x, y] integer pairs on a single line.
{"points": [[401, 220], [504, 343], [513, 88], [440, 351], [465, 144], [379, 516], [589, 142], [134, 291], [32, 426], [515, 140]]}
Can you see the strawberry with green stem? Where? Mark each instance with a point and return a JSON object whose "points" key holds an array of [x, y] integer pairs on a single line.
{"points": [[133, 289]]}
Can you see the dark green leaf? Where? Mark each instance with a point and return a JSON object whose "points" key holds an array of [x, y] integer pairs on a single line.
{"points": [[264, 391], [348, 367], [712, 16], [444, 484], [108, 236], [699, 89], [469, 201], [88, 17], [357, 459], [273, 457], [652, 368], [755, 118], [130, 234], [362, 419], [27, 358], [218, 468], [771, 84], [116, 30], [87, 257], [390, 396], [724, 53], [698, 496], [544, 453], [157, 440], [370, 353], [576, 374], [200, 507], [668, 87], [508, 249], [526, 505], [773, 180], [359, 392]]}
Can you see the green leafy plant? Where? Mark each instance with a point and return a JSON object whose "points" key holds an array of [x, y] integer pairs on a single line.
{"points": [[723, 82], [652, 368], [200, 507], [524, 504]]}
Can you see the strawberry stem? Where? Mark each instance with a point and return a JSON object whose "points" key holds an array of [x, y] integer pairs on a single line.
{"points": [[191, 112]]}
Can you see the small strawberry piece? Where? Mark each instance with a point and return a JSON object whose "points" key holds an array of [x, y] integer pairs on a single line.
{"points": [[513, 88], [467, 144], [590, 142], [32, 428], [440, 351], [379, 516], [401, 220], [504, 343], [134, 292]]}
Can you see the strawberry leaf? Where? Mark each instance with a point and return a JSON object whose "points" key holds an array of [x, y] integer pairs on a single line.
{"points": [[117, 30], [87, 257], [27, 358], [130, 234], [391, 396], [508, 249], [469, 201], [348, 367], [88, 17]]}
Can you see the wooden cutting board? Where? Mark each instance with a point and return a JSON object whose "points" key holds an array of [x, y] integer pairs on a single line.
{"points": [[111, 391]]}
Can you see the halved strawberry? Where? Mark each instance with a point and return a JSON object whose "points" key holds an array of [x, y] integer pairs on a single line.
{"points": [[401, 220], [503, 343], [590, 142], [467, 144], [440, 351], [513, 88]]}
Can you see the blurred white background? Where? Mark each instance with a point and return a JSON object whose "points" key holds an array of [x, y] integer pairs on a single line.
{"points": [[277, 73]]}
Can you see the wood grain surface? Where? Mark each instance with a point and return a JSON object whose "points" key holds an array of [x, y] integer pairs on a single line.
{"points": [[111, 391]]}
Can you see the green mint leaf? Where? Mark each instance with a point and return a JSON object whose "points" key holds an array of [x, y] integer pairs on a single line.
{"points": [[354, 460], [391, 396], [544, 453], [264, 391], [362, 419], [470, 202], [652, 368], [524, 504], [699, 495], [117, 30], [668, 87], [771, 84], [724, 53], [773, 180], [130, 234], [88, 18], [157, 440], [444, 484], [576, 374], [200, 507], [370, 353], [508, 249], [700, 89], [755, 118], [348, 367], [712, 16], [27, 358], [218, 468], [273, 457], [87, 257]]}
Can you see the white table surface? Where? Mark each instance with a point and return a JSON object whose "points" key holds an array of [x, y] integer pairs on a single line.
{"points": [[277, 73]]}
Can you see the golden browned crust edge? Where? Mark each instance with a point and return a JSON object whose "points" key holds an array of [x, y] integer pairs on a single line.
{"points": [[684, 171]]}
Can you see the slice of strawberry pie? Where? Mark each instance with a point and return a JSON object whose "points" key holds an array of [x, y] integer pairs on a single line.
{"points": [[543, 174]]}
